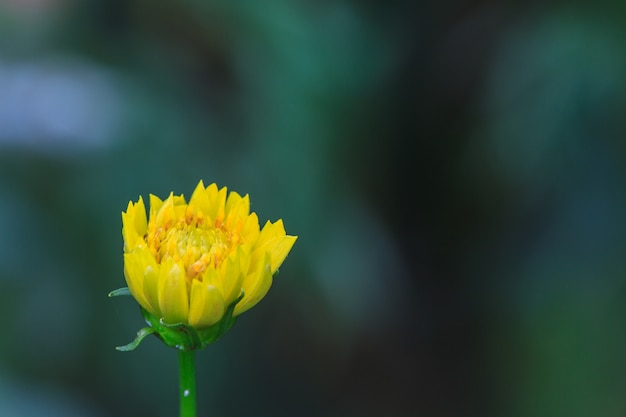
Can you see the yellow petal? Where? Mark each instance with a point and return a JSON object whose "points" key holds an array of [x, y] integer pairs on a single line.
{"points": [[263, 242], [237, 207], [155, 205], [211, 192], [134, 224], [166, 213], [244, 254], [200, 199], [211, 276], [255, 287], [250, 230], [279, 251], [232, 200], [179, 200], [173, 296], [274, 241], [141, 222], [150, 270], [207, 305], [217, 201], [180, 210], [134, 280], [232, 276], [129, 233], [134, 272], [270, 231]]}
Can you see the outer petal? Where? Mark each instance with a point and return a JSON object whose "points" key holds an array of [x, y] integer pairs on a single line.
{"points": [[281, 247], [129, 233], [173, 296], [134, 271], [269, 232], [150, 281], [255, 287], [134, 224], [207, 305], [232, 276], [141, 222], [272, 230], [274, 240]]}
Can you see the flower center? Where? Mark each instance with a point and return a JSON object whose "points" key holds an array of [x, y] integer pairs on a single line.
{"points": [[196, 246]]}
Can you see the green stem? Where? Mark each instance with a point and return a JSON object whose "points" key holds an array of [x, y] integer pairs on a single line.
{"points": [[187, 372]]}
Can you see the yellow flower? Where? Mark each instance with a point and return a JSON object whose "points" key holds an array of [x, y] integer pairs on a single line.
{"points": [[188, 262]]}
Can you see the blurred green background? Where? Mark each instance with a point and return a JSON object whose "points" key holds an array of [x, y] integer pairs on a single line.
{"points": [[454, 171]]}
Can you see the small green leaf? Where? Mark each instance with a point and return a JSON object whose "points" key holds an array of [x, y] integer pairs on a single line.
{"points": [[141, 334], [120, 292]]}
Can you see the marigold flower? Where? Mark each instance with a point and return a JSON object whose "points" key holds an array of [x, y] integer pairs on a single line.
{"points": [[188, 262]]}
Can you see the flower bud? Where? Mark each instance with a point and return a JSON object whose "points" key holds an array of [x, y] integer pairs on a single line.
{"points": [[194, 267]]}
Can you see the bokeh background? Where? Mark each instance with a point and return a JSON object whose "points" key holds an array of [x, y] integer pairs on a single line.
{"points": [[454, 171]]}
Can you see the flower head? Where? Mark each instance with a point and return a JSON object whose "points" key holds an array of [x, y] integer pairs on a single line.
{"points": [[188, 262]]}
